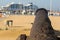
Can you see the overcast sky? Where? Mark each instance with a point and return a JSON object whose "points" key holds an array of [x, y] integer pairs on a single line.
{"points": [[39, 3]]}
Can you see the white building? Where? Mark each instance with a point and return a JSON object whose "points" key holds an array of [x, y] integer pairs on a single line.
{"points": [[20, 9]]}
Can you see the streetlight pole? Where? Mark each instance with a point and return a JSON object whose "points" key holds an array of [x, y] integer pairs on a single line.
{"points": [[50, 6]]}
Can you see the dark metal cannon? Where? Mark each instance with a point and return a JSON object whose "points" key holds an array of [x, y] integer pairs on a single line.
{"points": [[42, 28]]}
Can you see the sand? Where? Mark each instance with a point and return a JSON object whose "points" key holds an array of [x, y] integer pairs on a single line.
{"points": [[22, 25]]}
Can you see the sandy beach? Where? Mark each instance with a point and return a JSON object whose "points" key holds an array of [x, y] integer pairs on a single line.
{"points": [[22, 25]]}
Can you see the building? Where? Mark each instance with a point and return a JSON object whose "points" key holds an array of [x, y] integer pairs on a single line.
{"points": [[21, 9], [53, 13]]}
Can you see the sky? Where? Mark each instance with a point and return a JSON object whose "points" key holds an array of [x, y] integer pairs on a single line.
{"points": [[40, 3]]}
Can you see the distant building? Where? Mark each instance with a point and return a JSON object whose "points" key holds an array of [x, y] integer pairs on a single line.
{"points": [[28, 9], [53, 13]]}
